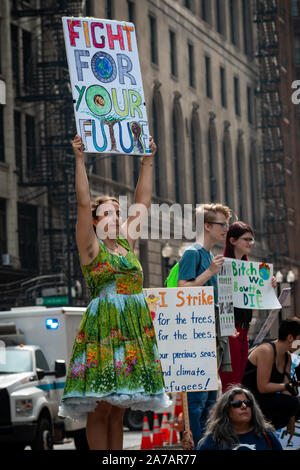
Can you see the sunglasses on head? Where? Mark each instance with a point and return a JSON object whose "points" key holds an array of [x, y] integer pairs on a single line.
{"points": [[238, 403]]}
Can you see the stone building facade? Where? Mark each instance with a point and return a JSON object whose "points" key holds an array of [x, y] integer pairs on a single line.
{"points": [[200, 79]]}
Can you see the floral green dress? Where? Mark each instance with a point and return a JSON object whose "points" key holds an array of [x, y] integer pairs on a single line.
{"points": [[115, 356]]}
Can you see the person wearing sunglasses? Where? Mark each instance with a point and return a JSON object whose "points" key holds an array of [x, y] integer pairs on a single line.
{"points": [[237, 423], [239, 242]]}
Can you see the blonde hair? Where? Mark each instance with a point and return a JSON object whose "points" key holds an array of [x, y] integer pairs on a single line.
{"points": [[101, 200], [211, 209]]}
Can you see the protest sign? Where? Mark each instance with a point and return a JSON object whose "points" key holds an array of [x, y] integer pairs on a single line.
{"points": [[252, 285], [271, 318], [106, 84], [225, 297], [184, 323], [282, 434]]}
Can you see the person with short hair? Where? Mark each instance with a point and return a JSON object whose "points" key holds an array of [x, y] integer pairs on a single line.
{"points": [[198, 267], [237, 423], [267, 375]]}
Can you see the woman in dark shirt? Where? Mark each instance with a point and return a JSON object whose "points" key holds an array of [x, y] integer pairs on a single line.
{"points": [[267, 375], [237, 423], [239, 242]]}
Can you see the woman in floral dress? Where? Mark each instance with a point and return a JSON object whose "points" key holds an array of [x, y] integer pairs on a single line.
{"points": [[115, 361]]}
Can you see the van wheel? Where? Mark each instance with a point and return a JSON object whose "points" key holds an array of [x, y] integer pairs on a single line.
{"points": [[43, 440]]}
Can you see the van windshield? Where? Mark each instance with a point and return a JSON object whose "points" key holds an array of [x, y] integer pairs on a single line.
{"points": [[13, 361]]}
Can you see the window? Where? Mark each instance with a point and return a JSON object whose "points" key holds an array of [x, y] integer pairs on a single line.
{"points": [[144, 260], [173, 55], [131, 11], [109, 9], [27, 57], [187, 4], [208, 77], [2, 144], [153, 40], [179, 164], [237, 105], [213, 160], [114, 168], [18, 140], [15, 57], [175, 129], [220, 17], [295, 7], [196, 158], [205, 10], [223, 87], [28, 232], [3, 229], [241, 183], [155, 125], [31, 157], [255, 206], [233, 15], [136, 170], [41, 361], [191, 65], [247, 27], [297, 49], [249, 105]]}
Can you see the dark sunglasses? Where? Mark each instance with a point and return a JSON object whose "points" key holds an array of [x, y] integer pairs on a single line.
{"points": [[238, 403]]}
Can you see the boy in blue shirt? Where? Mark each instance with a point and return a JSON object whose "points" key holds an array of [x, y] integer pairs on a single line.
{"points": [[198, 267]]}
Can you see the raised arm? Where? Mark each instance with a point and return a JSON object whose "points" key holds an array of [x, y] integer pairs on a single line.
{"points": [[86, 238], [142, 197]]}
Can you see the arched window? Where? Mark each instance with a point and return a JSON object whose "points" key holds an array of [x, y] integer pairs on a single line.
{"points": [[158, 136], [178, 155], [254, 179], [228, 167], [213, 159], [196, 157], [241, 178]]}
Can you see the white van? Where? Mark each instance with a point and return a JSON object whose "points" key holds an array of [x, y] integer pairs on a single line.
{"points": [[35, 347]]}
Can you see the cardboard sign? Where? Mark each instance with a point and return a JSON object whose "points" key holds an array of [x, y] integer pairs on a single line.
{"points": [[106, 83], [282, 433], [184, 322], [225, 294], [252, 285], [271, 318]]}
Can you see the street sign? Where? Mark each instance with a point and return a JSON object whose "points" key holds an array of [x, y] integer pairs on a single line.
{"points": [[47, 301]]}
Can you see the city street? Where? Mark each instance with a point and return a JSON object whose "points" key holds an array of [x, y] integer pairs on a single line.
{"points": [[132, 441]]}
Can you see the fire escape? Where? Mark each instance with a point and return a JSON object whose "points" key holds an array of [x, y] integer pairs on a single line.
{"points": [[273, 114], [49, 91]]}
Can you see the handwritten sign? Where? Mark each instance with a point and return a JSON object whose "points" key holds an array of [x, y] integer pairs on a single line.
{"points": [[184, 323], [106, 83], [252, 285], [225, 294], [271, 318]]}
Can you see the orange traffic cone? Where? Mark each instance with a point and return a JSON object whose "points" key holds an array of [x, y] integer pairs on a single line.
{"points": [[146, 443], [178, 405], [157, 435], [165, 428], [173, 436]]}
